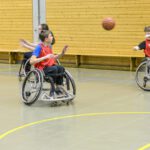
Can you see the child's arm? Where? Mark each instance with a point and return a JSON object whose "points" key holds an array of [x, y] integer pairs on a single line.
{"points": [[141, 46], [35, 56], [136, 48], [34, 59], [28, 45], [62, 53]]}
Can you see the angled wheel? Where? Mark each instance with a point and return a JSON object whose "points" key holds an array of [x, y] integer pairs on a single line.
{"points": [[32, 86], [69, 85], [21, 71], [25, 68], [143, 77]]}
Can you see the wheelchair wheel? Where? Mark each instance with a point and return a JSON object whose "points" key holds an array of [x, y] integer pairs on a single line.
{"points": [[32, 86], [142, 76], [25, 68], [21, 71], [69, 85]]}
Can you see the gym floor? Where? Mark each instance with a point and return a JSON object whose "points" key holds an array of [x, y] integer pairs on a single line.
{"points": [[109, 113]]}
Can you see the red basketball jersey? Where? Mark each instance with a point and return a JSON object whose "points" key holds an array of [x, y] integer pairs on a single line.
{"points": [[147, 48], [47, 62]]}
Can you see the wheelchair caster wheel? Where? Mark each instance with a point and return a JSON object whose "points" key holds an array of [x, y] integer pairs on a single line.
{"points": [[28, 94], [67, 102], [54, 104]]}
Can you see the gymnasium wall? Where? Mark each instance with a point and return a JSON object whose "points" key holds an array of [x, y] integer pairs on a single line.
{"points": [[78, 24], [15, 22]]}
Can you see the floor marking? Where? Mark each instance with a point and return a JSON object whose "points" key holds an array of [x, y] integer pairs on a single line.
{"points": [[144, 147], [74, 116]]}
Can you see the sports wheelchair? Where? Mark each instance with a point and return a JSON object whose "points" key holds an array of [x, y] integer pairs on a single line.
{"points": [[37, 86], [142, 76]]}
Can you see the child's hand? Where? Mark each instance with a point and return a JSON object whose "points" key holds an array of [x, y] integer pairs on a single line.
{"points": [[135, 48], [49, 56], [62, 53], [22, 42], [64, 49]]}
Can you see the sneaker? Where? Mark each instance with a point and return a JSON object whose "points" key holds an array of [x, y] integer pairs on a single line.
{"points": [[60, 91], [52, 94]]}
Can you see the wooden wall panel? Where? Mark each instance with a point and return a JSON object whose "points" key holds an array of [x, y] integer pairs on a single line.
{"points": [[16, 22], [78, 24]]}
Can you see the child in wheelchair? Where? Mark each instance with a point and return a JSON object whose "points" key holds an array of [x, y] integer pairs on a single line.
{"points": [[142, 76], [43, 59], [145, 45], [31, 46]]}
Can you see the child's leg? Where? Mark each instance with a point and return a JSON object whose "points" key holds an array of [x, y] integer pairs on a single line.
{"points": [[51, 71], [27, 55], [59, 78]]}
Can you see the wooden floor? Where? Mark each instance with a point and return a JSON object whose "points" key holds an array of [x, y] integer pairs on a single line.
{"points": [[109, 113]]}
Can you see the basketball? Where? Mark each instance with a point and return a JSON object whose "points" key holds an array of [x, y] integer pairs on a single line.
{"points": [[108, 23]]}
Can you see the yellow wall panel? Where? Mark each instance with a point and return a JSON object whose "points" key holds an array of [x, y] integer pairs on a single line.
{"points": [[16, 22], [78, 24]]}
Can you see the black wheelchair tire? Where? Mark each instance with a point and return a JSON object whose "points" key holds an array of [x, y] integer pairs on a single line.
{"points": [[25, 100], [137, 76], [71, 80]]}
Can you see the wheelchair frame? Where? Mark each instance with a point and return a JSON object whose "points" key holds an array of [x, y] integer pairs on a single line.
{"points": [[38, 86]]}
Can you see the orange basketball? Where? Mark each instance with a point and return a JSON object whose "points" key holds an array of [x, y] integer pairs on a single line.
{"points": [[108, 23]]}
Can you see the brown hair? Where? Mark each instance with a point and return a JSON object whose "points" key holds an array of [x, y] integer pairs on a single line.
{"points": [[147, 29], [44, 34], [44, 26]]}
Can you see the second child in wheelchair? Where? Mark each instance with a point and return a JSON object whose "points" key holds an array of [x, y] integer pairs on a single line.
{"points": [[145, 45], [143, 70], [43, 59]]}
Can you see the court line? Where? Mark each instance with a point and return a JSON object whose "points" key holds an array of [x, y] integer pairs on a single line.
{"points": [[144, 147], [2, 136]]}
